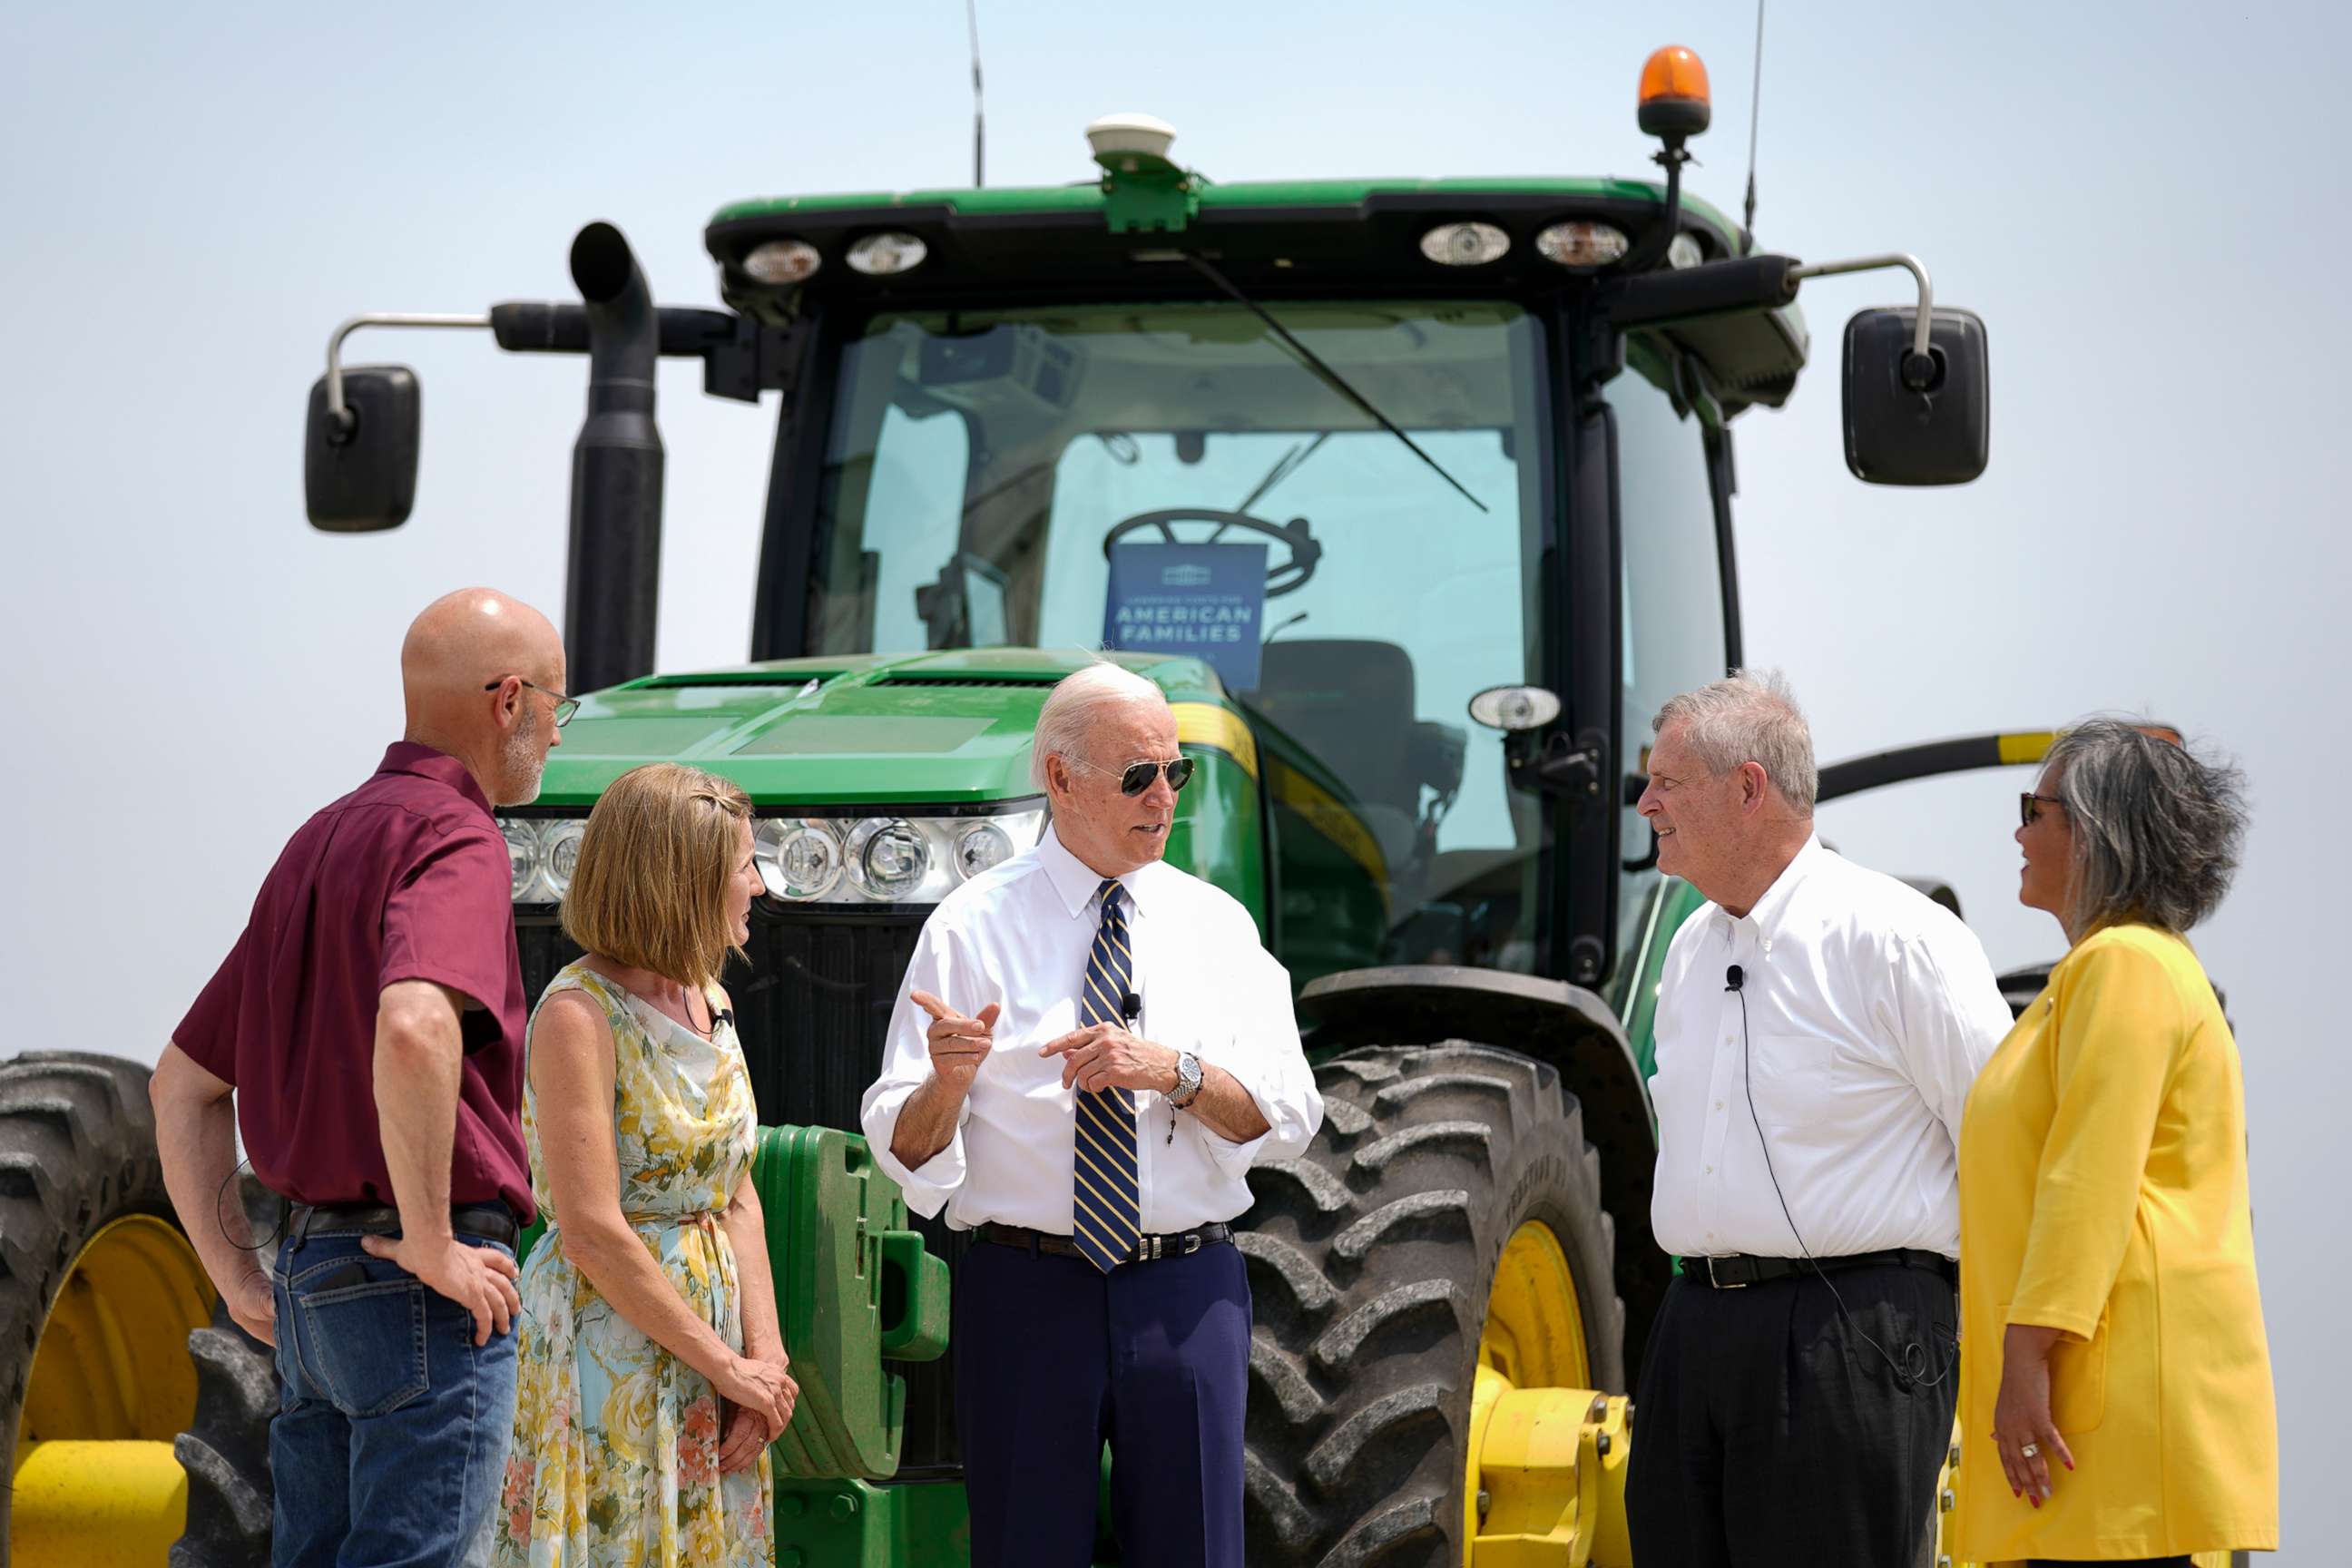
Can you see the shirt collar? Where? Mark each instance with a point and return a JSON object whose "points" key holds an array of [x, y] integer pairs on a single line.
{"points": [[1766, 912], [1076, 882], [424, 762]]}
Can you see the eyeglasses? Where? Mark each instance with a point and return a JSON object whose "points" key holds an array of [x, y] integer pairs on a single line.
{"points": [[2030, 804], [565, 707], [1138, 776]]}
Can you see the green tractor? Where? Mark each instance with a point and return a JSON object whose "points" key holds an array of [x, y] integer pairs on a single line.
{"points": [[1414, 497]]}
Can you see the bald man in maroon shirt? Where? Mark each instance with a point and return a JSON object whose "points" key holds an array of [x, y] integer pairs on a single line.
{"points": [[367, 1030]]}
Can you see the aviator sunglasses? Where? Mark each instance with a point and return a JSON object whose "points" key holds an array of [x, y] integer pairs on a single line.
{"points": [[1138, 776], [2030, 804]]}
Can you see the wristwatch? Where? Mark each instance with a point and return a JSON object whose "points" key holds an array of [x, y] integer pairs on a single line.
{"points": [[1187, 1080]]}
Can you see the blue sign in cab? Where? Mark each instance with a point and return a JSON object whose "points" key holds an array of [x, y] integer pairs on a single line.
{"points": [[1207, 601]]}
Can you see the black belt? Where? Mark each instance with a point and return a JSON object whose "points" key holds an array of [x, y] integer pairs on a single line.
{"points": [[1740, 1270], [1182, 1244], [490, 1222]]}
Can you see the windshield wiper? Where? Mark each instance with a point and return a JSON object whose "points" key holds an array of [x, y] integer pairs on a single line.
{"points": [[1289, 463], [1329, 377]]}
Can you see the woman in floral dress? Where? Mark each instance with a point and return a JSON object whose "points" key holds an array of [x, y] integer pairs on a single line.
{"points": [[652, 1375]]}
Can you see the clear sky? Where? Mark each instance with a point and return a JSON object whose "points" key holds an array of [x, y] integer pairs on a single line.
{"points": [[2142, 201]]}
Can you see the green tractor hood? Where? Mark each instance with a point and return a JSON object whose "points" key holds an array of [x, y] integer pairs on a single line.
{"points": [[929, 728]]}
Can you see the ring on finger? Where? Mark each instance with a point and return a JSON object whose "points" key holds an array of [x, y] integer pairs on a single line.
{"points": [[2027, 1450]]}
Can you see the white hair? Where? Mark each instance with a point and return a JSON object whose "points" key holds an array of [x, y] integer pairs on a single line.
{"points": [[1072, 707], [1749, 718]]}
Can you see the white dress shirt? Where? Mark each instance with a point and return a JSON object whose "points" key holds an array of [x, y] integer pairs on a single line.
{"points": [[1019, 935], [1870, 1009]]}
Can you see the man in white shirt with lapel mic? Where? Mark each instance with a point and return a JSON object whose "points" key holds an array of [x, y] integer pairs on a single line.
{"points": [[1818, 1027], [1090, 1049]]}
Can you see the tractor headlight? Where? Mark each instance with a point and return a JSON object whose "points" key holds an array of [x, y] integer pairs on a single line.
{"points": [[1464, 244], [1582, 244], [523, 858], [979, 847], [558, 843], [881, 255], [810, 860], [542, 855], [781, 261], [886, 859], [798, 856]]}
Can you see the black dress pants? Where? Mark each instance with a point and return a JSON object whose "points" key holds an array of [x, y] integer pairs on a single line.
{"points": [[1766, 1432]]}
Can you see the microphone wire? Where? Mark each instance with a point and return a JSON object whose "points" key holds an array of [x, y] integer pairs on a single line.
{"points": [[1735, 982]]}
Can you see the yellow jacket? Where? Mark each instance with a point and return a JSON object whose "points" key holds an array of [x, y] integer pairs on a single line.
{"points": [[2102, 1193]]}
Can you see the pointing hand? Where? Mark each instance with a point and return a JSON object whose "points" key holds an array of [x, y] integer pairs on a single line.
{"points": [[957, 1044]]}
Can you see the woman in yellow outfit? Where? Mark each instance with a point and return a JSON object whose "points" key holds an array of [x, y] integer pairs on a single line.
{"points": [[2115, 1400]]}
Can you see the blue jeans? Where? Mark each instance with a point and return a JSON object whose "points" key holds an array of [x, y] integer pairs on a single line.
{"points": [[391, 1427]]}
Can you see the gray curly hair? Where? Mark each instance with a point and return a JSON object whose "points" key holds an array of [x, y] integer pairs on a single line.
{"points": [[2157, 829]]}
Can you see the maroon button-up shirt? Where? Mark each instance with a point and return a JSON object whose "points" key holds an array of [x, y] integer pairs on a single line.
{"points": [[405, 878]]}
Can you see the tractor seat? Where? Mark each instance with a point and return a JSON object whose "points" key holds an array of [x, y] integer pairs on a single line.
{"points": [[1350, 701]]}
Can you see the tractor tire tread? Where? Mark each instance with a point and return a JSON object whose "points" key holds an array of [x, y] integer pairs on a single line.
{"points": [[1369, 1255]]}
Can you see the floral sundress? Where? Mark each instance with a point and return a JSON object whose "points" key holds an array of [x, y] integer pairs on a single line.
{"points": [[616, 1454]]}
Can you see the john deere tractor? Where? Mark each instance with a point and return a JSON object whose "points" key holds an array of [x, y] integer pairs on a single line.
{"points": [[1416, 497]]}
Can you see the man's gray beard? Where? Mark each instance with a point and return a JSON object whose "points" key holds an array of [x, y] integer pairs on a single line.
{"points": [[520, 769]]}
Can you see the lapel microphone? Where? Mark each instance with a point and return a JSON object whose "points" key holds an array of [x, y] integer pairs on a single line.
{"points": [[1734, 978], [1131, 1008]]}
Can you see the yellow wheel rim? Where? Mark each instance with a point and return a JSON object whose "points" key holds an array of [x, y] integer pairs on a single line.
{"points": [[113, 1359], [1533, 1338], [1533, 1335]]}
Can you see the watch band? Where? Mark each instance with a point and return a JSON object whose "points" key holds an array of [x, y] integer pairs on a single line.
{"points": [[1188, 1085]]}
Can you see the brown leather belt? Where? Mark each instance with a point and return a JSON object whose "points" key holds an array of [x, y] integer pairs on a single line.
{"points": [[490, 1222], [1182, 1244]]}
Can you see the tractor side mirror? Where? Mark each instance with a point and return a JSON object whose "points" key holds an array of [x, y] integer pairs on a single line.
{"points": [[1912, 419], [359, 472]]}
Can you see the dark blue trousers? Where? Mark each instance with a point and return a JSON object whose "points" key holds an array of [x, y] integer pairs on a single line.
{"points": [[1053, 1360]]}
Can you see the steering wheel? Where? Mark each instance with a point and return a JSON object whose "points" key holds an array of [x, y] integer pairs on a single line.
{"points": [[1284, 577]]}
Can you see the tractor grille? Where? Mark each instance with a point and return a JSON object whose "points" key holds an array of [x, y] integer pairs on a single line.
{"points": [[811, 1009]]}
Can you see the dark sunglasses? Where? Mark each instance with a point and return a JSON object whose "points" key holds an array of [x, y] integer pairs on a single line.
{"points": [[2030, 804], [1139, 775]]}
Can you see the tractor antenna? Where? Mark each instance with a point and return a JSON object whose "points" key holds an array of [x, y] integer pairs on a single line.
{"points": [[1754, 102], [978, 125]]}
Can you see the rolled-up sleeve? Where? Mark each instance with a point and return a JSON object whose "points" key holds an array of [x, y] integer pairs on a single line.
{"points": [[1263, 1054], [905, 1065]]}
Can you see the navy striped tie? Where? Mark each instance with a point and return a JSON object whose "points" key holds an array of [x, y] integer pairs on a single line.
{"points": [[1107, 1207]]}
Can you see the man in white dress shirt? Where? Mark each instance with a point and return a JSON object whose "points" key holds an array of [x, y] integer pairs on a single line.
{"points": [[1090, 1048], [1818, 1027]]}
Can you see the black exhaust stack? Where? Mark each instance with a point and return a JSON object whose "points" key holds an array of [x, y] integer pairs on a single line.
{"points": [[612, 595]]}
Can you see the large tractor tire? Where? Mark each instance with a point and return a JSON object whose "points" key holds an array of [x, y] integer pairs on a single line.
{"points": [[225, 1449], [99, 1289], [1447, 1218]]}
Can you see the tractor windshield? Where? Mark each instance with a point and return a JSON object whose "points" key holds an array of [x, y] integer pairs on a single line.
{"points": [[1016, 477]]}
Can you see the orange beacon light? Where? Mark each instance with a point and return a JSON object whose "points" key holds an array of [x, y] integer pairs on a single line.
{"points": [[1674, 101]]}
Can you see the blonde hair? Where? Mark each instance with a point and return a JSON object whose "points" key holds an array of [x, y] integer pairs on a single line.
{"points": [[650, 888]]}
